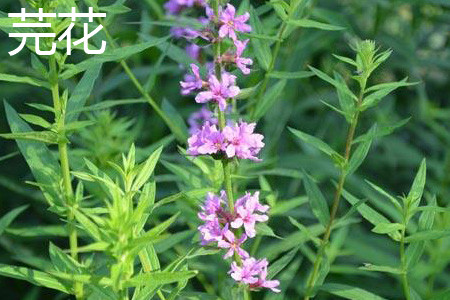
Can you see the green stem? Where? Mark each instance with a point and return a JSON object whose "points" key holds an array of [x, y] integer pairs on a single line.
{"points": [[337, 196], [65, 169], [405, 283]]}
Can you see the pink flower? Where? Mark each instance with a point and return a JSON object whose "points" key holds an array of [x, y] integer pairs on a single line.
{"points": [[212, 208], [230, 23], [207, 140], [247, 208], [219, 91], [211, 231], [233, 245], [242, 142], [253, 273], [242, 62], [198, 118], [191, 82]]}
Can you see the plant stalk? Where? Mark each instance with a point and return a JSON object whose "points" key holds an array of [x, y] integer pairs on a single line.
{"points": [[65, 169], [337, 197], [405, 283]]}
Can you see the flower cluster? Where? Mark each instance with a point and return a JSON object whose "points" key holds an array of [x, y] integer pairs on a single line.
{"points": [[224, 225], [216, 229], [234, 140]]}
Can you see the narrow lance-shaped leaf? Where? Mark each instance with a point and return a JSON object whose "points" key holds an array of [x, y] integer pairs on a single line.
{"points": [[111, 55], [369, 213], [35, 277], [317, 143], [23, 79], [260, 48], [349, 292], [317, 201], [360, 153], [416, 191], [41, 161], [269, 99], [146, 169], [7, 219], [426, 221], [81, 92], [177, 124], [307, 23]]}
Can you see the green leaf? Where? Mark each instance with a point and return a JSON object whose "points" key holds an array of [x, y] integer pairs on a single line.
{"points": [[106, 104], [270, 97], [290, 75], [337, 84], [39, 231], [82, 92], [261, 48], [426, 221], [416, 191], [48, 137], [369, 213], [176, 53], [153, 234], [349, 292], [317, 143], [346, 102], [317, 201], [159, 278], [264, 230], [8, 218], [23, 79], [177, 124], [381, 131], [35, 277], [360, 153], [385, 228], [346, 60], [88, 225], [385, 269], [427, 235], [63, 262], [386, 194], [36, 120], [307, 23], [381, 91], [281, 263], [110, 55], [146, 169], [43, 164]]}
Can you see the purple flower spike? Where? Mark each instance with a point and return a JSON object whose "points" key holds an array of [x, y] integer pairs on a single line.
{"points": [[191, 82], [233, 245], [230, 23], [219, 91], [247, 208], [242, 62]]}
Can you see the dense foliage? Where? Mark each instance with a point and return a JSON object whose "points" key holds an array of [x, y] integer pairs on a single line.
{"points": [[245, 150]]}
